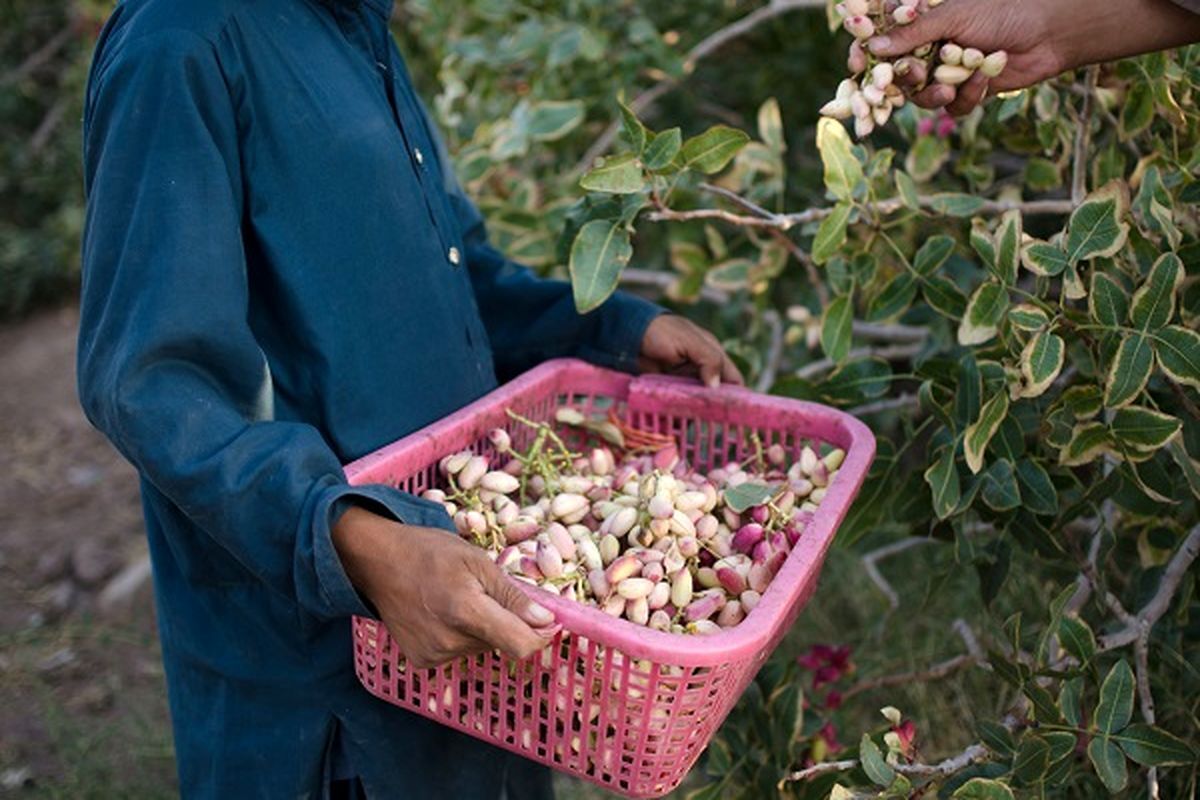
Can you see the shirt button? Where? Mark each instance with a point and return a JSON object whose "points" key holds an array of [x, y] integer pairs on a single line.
{"points": [[455, 256], [418, 155]]}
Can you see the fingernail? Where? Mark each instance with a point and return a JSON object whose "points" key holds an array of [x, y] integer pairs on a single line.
{"points": [[540, 615], [714, 382], [880, 44], [548, 632]]}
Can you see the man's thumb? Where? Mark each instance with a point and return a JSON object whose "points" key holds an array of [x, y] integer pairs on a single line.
{"points": [[932, 26], [506, 593]]}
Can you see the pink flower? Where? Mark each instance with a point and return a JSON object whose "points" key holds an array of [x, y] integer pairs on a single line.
{"points": [[828, 734], [926, 126], [833, 700], [946, 125], [907, 732]]}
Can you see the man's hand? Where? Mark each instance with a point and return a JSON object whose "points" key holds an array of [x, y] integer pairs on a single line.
{"points": [[676, 345], [439, 597], [1042, 38]]}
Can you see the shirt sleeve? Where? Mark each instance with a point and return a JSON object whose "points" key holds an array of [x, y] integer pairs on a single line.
{"points": [[1190, 5], [168, 366], [530, 319]]}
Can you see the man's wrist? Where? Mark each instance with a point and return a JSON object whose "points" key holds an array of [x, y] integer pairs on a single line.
{"points": [[362, 540]]}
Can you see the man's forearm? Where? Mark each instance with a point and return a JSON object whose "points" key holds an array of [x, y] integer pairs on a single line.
{"points": [[1106, 31]]}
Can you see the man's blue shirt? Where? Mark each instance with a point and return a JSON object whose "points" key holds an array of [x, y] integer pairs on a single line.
{"points": [[281, 274]]}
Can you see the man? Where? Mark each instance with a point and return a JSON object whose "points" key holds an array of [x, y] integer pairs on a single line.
{"points": [[1043, 38], [280, 274]]}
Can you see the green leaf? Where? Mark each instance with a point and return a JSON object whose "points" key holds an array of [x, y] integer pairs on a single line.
{"points": [[1070, 700], [1062, 744], [1097, 227], [997, 738], [955, 205], [663, 148], [747, 495], [1130, 370], [836, 326], [1041, 362], [1088, 442], [1154, 303], [977, 436], [933, 254], [873, 764], [1107, 302], [1115, 708], [770, 125], [843, 172], [945, 298], [1044, 259], [906, 187], [857, 381], [600, 252], [1028, 317], [1144, 428], [1154, 747], [832, 233], [983, 789], [1008, 247], [942, 477], [1178, 351], [895, 298], [615, 175], [1084, 402], [999, 486], [633, 129], [1037, 490], [1045, 709], [731, 275], [982, 244], [1109, 762], [1032, 760], [985, 311], [1077, 638], [550, 120], [711, 151]]}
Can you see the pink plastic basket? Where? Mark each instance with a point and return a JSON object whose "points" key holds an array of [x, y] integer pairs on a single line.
{"points": [[620, 705]]}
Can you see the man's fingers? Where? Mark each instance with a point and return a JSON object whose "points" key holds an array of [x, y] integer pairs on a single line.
{"points": [[969, 95], [935, 25], [503, 628], [730, 373], [911, 73], [935, 96]]}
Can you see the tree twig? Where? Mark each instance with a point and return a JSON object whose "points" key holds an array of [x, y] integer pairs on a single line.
{"points": [[704, 48], [661, 281], [35, 60], [1083, 136], [770, 372], [893, 353], [1141, 657], [890, 333], [901, 403], [870, 562], [882, 208], [1158, 604]]}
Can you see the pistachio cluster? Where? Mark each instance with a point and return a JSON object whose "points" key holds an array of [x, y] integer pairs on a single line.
{"points": [[871, 95], [642, 536]]}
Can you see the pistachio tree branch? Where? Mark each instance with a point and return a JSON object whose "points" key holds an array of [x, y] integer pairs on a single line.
{"points": [[972, 658], [904, 402], [1150, 613], [660, 281], [770, 372], [870, 562], [881, 208], [704, 48], [1083, 137], [893, 353]]}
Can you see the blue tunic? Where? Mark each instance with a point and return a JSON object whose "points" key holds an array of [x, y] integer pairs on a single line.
{"points": [[280, 274]]}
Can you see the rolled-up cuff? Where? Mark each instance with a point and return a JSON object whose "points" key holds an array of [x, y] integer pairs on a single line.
{"points": [[617, 340], [337, 592]]}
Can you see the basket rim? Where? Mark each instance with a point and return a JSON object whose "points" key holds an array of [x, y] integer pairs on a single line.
{"points": [[751, 637]]}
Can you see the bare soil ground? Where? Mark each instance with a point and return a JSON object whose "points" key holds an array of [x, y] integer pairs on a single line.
{"points": [[82, 705]]}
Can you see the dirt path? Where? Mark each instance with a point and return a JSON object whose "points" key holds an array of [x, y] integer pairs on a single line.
{"points": [[82, 712]]}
